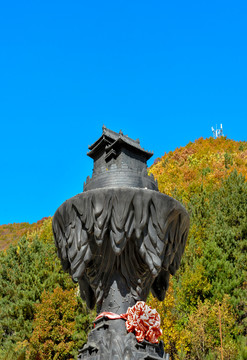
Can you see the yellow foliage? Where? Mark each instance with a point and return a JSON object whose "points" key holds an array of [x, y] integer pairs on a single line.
{"points": [[204, 326], [54, 324], [44, 233], [194, 284], [176, 339], [204, 162]]}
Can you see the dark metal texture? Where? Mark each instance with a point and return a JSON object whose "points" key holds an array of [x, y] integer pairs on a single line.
{"points": [[119, 242], [119, 161], [108, 340]]}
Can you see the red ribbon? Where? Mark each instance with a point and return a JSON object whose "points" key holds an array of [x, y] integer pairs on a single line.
{"points": [[111, 316], [140, 319]]}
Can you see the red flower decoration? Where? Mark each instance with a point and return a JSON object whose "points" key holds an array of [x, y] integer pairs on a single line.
{"points": [[144, 321]]}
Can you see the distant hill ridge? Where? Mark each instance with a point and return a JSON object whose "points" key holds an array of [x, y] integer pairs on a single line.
{"points": [[204, 162], [11, 233], [181, 172]]}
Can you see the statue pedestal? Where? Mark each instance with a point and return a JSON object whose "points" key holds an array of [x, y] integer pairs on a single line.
{"points": [[109, 340]]}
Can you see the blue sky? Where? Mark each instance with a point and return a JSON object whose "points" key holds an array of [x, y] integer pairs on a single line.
{"points": [[162, 71]]}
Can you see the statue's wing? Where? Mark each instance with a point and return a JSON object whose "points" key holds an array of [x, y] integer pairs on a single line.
{"points": [[158, 226], [71, 240], [73, 246], [143, 230], [167, 232]]}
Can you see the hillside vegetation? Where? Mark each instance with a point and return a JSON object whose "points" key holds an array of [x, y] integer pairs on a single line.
{"points": [[11, 233], [202, 163], [204, 313], [209, 290]]}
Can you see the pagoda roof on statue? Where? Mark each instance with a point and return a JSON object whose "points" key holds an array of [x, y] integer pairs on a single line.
{"points": [[110, 141]]}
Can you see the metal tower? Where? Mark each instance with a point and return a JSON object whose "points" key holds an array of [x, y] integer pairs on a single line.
{"points": [[218, 132]]}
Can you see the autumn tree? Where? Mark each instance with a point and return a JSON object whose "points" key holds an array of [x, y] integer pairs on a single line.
{"points": [[56, 324], [26, 270], [212, 330]]}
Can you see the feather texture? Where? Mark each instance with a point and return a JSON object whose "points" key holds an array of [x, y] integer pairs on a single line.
{"points": [[137, 232]]}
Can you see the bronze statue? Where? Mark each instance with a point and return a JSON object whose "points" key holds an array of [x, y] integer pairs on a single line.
{"points": [[120, 239]]}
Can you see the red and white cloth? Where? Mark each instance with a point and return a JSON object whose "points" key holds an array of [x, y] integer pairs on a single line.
{"points": [[141, 319]]}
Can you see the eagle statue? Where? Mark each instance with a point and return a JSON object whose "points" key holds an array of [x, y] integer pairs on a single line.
{"points": [[121, 237]]}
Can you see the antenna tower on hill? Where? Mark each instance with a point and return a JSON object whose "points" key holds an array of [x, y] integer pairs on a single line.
{"points": [[218, 132]]}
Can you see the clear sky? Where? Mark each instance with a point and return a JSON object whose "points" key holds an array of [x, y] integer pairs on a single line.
{"points": [[162, 71]]}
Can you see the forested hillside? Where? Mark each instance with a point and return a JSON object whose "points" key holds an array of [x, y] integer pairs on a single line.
{"points": [[209, 290], [11, 233], [204, 313]]}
